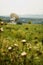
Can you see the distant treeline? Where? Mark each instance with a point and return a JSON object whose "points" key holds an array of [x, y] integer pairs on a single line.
{"points": [[24, 20]]}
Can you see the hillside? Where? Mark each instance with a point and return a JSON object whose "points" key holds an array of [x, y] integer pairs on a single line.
{"points": [[21, 44]]}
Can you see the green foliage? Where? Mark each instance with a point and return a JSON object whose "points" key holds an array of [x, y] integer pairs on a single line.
{"points": [[0, 19], [11, 54], [29, 22]]}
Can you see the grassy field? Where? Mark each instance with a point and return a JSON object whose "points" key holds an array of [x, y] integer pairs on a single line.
{"points": [[21, 44]]}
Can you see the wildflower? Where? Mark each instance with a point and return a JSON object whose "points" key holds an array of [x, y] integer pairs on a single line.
{"points": [[1, 29], [23, 41], [16, 45], [2, 23], [24, 56], [9, 48], [23, 53], [16, 48]]}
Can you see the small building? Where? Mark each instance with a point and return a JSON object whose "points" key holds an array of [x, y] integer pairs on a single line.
{"points": [[12, 20]]}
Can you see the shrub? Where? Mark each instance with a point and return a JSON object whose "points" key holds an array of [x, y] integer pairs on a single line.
{"points": [[20, 23], [29, 22], [0, 19]]}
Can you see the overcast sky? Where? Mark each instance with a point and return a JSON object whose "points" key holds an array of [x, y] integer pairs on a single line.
{"points": [[21, 7]]}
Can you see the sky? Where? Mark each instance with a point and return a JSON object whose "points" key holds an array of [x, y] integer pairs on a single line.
{"points": [[21, 7]]}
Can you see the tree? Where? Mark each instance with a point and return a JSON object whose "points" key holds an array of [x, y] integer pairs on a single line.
{"points": [[14, 16], [29, 22], [0, 19]]}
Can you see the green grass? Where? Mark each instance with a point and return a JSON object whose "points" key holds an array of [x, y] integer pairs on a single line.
{"points": [[13, 34]]}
